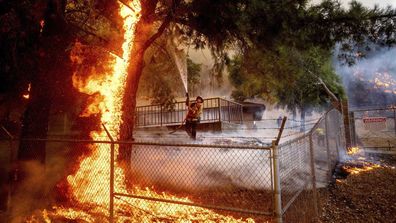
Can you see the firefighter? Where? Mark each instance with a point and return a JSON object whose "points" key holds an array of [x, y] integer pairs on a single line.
{"points": [[193, 116]]}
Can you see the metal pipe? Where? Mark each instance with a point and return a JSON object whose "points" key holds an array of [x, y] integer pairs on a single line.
{"points": [[281, 130], [276, 184], [241, 113], [161, 115], [219, 106], [209, 146], [215, 207], [229, 111], [313, 175], [394, 119], [111, 208], [329, 164], [353, 128]]}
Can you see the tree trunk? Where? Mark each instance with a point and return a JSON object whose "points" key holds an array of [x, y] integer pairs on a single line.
{"points": [[135, 68], [144, 37]]}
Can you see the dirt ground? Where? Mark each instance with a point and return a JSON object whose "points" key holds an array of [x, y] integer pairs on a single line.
{"points": [[367, 196]]}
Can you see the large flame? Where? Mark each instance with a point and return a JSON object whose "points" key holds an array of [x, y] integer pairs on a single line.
{"points": [[90, 184]]}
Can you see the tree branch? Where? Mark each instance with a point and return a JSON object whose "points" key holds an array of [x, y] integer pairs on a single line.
{"points": [[163, 26], [349, 18], [328, 91], [124, 3], [89, 32]]}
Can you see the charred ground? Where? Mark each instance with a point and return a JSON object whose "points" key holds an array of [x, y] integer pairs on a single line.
{"points": [[368, 196]]}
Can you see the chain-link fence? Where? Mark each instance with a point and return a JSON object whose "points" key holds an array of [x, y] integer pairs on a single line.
{"points": [[89, 181], [374, 128], [306, 163]]}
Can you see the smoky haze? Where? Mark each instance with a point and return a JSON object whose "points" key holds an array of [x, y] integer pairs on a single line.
{"points": [[372, 80]]}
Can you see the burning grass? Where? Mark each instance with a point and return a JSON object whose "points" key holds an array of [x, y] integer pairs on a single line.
{"points": [[352, 150]]}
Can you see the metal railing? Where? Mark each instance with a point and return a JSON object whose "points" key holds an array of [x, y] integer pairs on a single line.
{"points": [[215, 110], [168, 182]]}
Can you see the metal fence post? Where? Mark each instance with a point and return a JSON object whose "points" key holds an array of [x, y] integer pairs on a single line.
{"points": [[111, 208], [241, 113], [161, 115], [229, 111], [329, 158], [276, 183], [219, 106], [353, 129], [394, 119], [315, 195]]}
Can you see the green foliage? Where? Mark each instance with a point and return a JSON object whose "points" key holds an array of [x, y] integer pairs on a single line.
{"points": [[289, 51], [286, 45], [158, 80], [193, 75], [288, 76], [162, 93], [279, 40]]}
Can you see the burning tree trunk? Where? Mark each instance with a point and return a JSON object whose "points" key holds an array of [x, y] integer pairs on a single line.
{"points": [[132, 82], [144, 37]]}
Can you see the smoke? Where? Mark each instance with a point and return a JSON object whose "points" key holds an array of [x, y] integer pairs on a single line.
{"points": [[194, 169], [360, 79], [35, 188], [209, 86], [29, 192]]}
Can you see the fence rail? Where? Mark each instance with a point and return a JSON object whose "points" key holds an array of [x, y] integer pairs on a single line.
{"points": [[215, 110], [274, 183]]}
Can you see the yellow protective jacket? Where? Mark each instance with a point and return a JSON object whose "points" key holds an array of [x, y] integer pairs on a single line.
{"points": [[193, 111]]}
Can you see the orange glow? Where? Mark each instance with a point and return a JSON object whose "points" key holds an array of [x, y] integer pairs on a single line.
{"points": [[357, 170], [42, 23], [352, 150], [383, 81], [27, 95], [107, 92], [90, 185]]}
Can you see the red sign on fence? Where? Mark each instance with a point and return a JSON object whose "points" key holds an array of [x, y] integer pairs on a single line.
{"points": [[374, 123], [374, 119]]}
